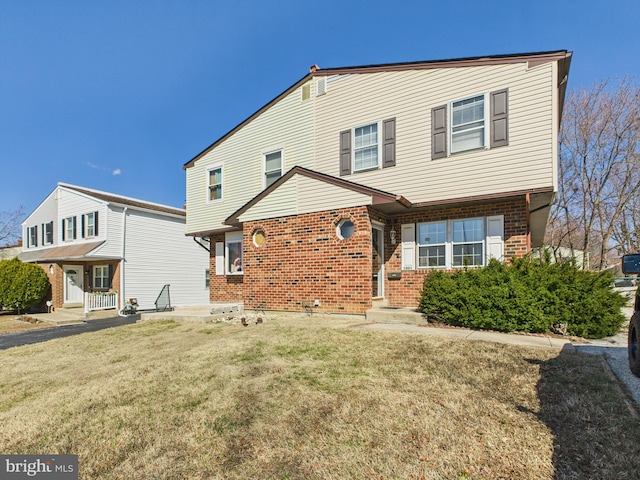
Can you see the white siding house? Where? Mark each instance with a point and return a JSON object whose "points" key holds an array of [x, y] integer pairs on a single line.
{"points": [[89, 241]]}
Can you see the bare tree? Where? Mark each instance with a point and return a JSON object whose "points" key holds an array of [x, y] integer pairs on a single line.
{"points": [[597, 211], [10, 226]]}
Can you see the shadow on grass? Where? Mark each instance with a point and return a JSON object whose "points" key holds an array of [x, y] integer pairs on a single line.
{"points": [[591, 415]]}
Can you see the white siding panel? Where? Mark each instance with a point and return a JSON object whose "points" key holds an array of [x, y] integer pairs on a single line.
{"points": [[316, 196], [287, 124], [281, 202], [527, 162], [46, 212], [157, 253]]}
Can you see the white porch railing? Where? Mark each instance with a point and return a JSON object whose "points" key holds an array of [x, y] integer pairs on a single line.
{"points": [[100, 301]]}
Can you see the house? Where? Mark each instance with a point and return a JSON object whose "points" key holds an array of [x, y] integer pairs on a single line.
{"points": [[11, 251], [88, 241], [354, 183]]}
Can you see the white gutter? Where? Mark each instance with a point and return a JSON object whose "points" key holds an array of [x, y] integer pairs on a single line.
{"points": [[122, 262]]}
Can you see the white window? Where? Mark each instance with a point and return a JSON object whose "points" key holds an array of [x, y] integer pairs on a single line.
{"points": [[69, 229], [366, 146], [32, 236], [432, 238], [468, 242], [90, 225], [454, 243], [468, 124], [214, 184], [101, 277], [47, 234], [233, 253], [272, 167]]}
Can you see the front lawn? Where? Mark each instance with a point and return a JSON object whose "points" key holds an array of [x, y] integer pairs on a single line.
{"points": [[307, 398]]}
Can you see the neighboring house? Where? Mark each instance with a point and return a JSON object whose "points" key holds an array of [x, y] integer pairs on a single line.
{"points": [[354, 183], [562, 254], [7, 253], [92, 241]]}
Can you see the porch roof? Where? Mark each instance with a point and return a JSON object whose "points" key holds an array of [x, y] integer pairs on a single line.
{"points": [[56, 254]]}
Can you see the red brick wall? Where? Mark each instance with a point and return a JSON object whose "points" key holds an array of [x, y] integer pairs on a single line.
{"points": [[304, 260], [406, 291]]}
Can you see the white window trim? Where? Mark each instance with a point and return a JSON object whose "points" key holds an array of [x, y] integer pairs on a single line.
{"points": [[86, 224], [447, 245], [44, 234], [102, 267], [32, 233], [411, 250], [232, 237], [264, 163], [206, 181], [68, 228], [378, 124], [486, 119]]}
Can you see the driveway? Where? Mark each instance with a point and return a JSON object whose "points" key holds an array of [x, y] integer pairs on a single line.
{"points": [[17, 339]]}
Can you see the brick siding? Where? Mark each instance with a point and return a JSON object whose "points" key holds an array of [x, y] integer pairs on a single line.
{"points": [[303, 259]]}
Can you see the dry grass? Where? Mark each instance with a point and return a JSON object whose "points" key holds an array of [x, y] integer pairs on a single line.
{"points": [[9, 324], [166, 400]]}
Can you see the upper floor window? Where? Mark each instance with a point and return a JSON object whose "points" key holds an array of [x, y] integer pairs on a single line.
{"points": [[47, 233], [32, 236], [467, 124], [272, 167], [470, 124], [368, 147], [214, 184], [90, 221], [365, 151], [69, 229]]}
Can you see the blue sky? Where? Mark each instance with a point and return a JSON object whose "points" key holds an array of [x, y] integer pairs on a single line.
{"points": [[118, 95]]}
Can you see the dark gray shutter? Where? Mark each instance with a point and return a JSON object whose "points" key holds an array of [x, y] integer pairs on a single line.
{"points": [[75, 229], [36, 235], [439, 132], [95, 223], [389, 145], [43, 235], [83, 226], [110, 282], [345, 152], [63, 231], [499, 118]]}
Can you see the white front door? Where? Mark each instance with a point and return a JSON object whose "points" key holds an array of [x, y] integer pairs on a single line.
{"points": [[73, 284]]}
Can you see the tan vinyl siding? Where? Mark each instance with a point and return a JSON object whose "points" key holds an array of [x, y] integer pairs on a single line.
{"points": [[409, 96], [288, 124], [300, 195]]}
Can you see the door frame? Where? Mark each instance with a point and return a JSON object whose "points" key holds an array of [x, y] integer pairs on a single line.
{"points": [[377, 228]]}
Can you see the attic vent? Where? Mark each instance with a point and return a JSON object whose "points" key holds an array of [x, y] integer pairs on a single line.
{"points": [[306, 91], [321, 86]]}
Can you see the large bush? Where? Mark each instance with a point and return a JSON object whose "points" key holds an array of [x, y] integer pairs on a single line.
{"points": [[528, 295], [22, 285]]}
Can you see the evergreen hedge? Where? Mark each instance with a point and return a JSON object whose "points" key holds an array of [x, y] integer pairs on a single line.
{"points": [[527, 295], [22, 285]]}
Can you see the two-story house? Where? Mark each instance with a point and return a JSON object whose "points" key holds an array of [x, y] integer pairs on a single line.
{"points": [[92, 241], [354, 183]]}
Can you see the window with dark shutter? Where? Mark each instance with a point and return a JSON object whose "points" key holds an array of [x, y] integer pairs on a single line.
{"points": [[75, 228], [345, 153], [499, 118], [63, 230], [389, 143], [439, 132], [95, 223], [83, 226]]}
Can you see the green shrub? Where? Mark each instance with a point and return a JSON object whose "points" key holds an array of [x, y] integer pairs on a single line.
{"points": [[22, 285], [527, 295]]}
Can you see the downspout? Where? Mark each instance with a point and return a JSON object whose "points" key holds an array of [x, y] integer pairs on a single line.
{"points": [[528, 200], [122, 261]]}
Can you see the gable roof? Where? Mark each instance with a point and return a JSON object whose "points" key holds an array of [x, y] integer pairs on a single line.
{"points": [[563, 57], [378, 197], [125, 201]]}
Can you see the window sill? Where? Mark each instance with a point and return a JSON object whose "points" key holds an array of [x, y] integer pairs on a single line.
{"points": [[371, 169]]}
